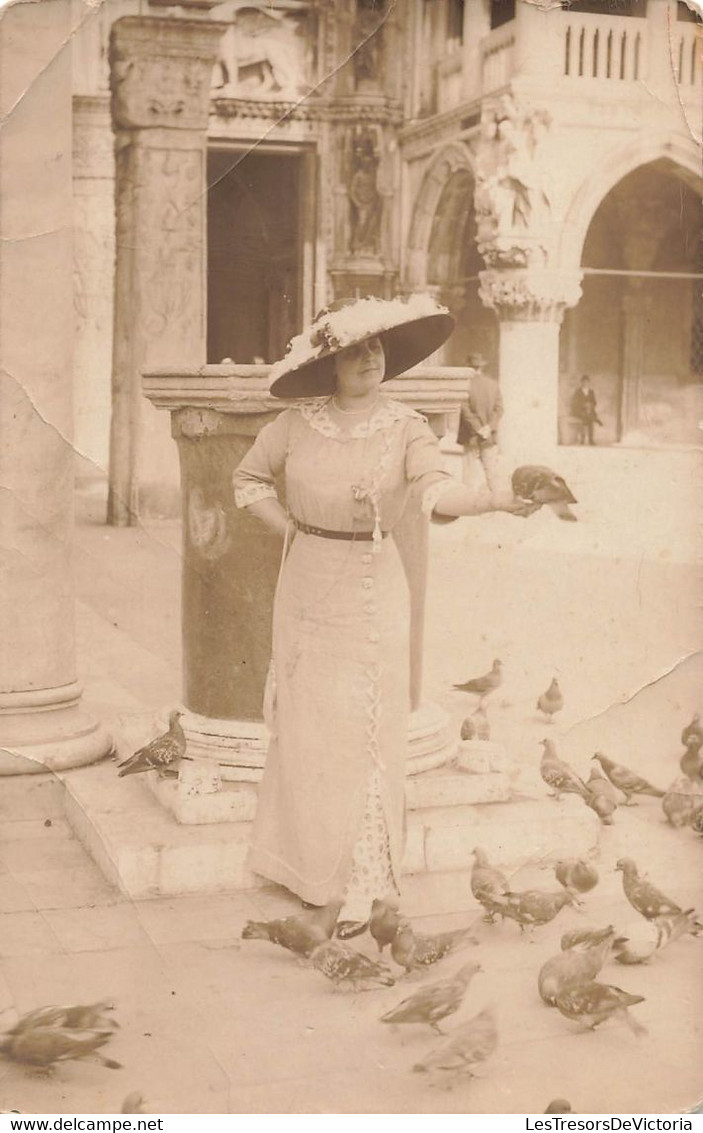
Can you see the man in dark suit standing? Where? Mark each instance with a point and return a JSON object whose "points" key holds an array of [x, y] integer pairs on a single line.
{"points": [[583, 408], [478, 423]]}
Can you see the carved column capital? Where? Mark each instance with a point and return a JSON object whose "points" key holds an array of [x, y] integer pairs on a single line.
{"points": [[530, 295], [160, 72]]}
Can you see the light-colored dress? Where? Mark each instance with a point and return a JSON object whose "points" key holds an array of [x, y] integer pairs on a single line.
{"points": [[330, 815]]}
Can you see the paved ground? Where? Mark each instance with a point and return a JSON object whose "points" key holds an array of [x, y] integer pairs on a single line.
{"points": [[213, 1024]]}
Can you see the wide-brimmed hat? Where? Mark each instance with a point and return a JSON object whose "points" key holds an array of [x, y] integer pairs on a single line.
{"points": [[410, 330]]}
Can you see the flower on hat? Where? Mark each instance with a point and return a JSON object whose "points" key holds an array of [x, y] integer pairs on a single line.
{"points": [[333, 331]]}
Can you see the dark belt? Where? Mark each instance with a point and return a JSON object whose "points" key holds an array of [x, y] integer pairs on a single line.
{"points": [[352, 536]]}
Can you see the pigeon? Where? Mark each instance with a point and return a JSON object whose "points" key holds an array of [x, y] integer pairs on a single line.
{"points": [[436, 1001], [642, 939], [301, 933], [644, 897], [599, 784], [163, 754], [551, 701], [44, 1046], [347, 968], [558, 775], [576, 875], [534, 906], [88, 1017], [559, 1105], [691, 761], [539, 485], [411, 950], [477, 726], [584, 938], [384, 922], [573, 966], [488, 885], [595, 1002], [471, 1042], [625, 780], [133, 1103], [693, 729], [682, 801], [485, 685]]}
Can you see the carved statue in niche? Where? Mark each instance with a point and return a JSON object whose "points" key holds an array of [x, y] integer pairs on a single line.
{"points": [[265, 53], [365, 200], [367, 42], [511, 200]]}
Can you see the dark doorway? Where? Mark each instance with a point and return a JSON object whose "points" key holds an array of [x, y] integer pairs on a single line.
{"points": [[254, 284]]}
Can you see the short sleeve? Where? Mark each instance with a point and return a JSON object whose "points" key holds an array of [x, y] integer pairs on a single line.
{"points": [[254, 476], [424, 467]]}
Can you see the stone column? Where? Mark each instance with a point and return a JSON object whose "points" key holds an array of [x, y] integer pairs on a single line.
{"points": [[230, 566], [160, 71], [635, 307], [41, 723], [93, 280], [530, 306]]}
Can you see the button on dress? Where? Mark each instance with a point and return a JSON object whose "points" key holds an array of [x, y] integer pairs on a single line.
{"points": [[330, 813]]}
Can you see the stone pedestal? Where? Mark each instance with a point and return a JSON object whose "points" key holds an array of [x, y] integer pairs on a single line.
{"points": [[41, 723], [160, 71], [231, 566], [530, 305]]}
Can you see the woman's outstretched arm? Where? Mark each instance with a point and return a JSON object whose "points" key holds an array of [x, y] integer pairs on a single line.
{"points": [[459, 500]]}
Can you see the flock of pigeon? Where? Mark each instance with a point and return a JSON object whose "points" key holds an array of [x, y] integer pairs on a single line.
{"points": [[567, 981]]}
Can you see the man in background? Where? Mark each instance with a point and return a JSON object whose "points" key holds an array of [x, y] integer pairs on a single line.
{"points": [[583, 408], [478, 422]]}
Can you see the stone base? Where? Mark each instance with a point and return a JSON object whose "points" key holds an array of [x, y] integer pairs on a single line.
{"points": [[146, 853], [236, 749], [46, 730]]}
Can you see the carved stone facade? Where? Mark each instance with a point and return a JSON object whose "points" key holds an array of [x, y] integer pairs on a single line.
{"points": [[160, 77], [536, 295], [511, 195]]}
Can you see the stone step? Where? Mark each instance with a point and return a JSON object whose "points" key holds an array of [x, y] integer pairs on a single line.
{"points": [[145, 852]]}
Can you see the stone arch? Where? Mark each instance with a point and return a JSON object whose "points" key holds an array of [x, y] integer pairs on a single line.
{"points": [[450, 160], [678, 153]]}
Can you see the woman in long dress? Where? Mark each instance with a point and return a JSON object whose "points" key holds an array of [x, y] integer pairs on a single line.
{"points": [[330, 816]]}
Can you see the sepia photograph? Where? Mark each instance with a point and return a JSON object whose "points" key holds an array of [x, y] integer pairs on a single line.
{"points": [[351, 685]]}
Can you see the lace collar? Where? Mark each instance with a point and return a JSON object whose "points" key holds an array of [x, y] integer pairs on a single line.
{"points": [[317, 414]]}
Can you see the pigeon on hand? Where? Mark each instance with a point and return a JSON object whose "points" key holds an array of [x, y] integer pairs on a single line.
{"points": [[477, 726], [535, 906], [625, 780], [436, 1001], [488, 885], [595, 1002], [348, 968], [384, 921], [682, 801], [695, 728], [558, 775], [644, 897], [301, 933], [472, 1042], [576, 875], [642, 939], [163, 754], [485, 685], [691, 761], [551, 701], [537, 484], [573, 966], [412, 950], [559, 1105]]}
